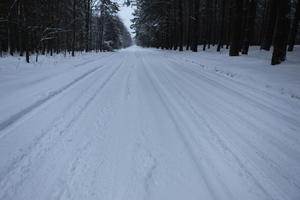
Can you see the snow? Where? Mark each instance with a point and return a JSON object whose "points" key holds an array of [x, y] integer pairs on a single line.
{"points": [[150, 124]]}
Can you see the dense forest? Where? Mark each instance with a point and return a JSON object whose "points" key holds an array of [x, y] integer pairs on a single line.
{"points": [[60, 26], [232, 24]]}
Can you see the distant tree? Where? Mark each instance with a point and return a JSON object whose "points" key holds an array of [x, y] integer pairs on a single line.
{"points": [[42, 26]]}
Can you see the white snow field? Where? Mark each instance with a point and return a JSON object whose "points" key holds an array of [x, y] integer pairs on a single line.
{"points": [[147, 124]]}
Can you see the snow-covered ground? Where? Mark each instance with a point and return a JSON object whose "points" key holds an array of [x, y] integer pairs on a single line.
{"points": [[150, 124]]}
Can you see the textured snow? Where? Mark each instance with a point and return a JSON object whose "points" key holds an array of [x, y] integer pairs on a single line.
{"points": [[150, 124]]}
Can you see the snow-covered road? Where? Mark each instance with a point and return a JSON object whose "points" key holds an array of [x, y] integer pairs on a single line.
{"points": [[142, 124]]}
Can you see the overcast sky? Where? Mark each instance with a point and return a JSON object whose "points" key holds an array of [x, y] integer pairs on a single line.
{"points": [[126, 14]]}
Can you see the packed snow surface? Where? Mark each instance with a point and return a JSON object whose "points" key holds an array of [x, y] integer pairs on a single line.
{"points": [[150, 124]]}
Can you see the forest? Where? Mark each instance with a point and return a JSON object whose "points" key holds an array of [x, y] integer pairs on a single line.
{"points": [[149, 100], [60, 26], [231, 24], [66, 26]]}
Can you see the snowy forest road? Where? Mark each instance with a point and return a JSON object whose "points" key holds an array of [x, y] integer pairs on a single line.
{"points": [[141, 124]]}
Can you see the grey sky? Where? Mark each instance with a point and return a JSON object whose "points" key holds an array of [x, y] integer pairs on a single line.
{"points": [[126, 14]]}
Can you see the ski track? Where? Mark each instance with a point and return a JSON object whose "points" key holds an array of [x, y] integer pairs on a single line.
{"points": [[142, 124]]}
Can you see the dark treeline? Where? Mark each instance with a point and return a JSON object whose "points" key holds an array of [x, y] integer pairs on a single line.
{"points": [[60, 26], [233, 24]]}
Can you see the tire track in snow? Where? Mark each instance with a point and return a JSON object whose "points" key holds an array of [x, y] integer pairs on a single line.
{"points": [[216, 81], [55, 122], [229, 75], [190, 152], [197, 115], [77, 167], [92, 60], [147, 165], [273, 165], [250, 101], [18, 173], [59, 73], [128, 79], [245, 141], [17, 116], [250, 90]]}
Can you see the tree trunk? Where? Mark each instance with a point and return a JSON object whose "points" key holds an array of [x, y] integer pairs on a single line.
{"points": [[27, 44], [206, 24], [228, 22], [180, 9], [195, 26], [74, 28], [9, 36], [1, 53], [210, 22], [87, 24], [222, 21], [269, 25], [102, 35], [190, 19], [236, 28], [175, 26], [249, 26], [281, 32], [20, 27], [294, 30], [264, 22]]}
